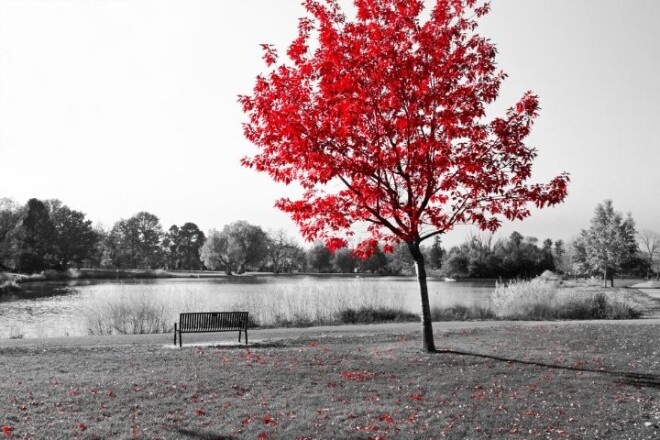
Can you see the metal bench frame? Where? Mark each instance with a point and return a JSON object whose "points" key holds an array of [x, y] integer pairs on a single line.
{"points": [[205, 322]]}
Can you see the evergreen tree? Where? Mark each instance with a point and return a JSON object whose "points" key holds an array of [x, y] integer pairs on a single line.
{"points": [[608, 244], [436, 253], [36, 235]]}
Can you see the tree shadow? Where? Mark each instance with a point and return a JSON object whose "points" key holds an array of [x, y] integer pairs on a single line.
{"points": [[202, 435], [640, 380]]}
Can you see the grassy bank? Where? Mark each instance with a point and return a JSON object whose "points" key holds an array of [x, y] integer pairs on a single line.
{"points": [[569, 381]]}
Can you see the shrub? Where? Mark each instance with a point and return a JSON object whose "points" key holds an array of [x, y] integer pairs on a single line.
{"points": [[368, 315], [460, 312], [542, 299]]}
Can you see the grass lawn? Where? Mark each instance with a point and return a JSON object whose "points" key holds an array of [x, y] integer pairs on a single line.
{"points": [[580, 381]]}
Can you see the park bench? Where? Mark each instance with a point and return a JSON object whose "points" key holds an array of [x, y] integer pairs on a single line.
{"points": [[211, 322]]}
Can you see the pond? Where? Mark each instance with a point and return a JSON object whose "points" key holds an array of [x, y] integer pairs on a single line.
{"points": [[78, 308]]}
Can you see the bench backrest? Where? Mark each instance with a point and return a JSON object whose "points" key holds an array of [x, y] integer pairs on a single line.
{"points": [[213, 321]]}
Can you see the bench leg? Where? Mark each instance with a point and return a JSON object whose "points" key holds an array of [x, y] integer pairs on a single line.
{"points": [[239, 336], [246, 340], [175, 334], [180, 339]]}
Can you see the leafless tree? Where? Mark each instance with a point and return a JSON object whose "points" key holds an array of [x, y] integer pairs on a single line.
{"points": [[649, 242]]}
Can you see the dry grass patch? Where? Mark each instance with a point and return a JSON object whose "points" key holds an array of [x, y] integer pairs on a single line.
{"points": [[569, 381]]}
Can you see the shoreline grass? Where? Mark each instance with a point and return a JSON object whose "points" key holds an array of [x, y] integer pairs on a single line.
{"points": [[153, 308], [569, 381], [543, 299], [149, 308]]}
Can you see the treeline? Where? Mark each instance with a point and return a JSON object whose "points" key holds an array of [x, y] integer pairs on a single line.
{"points": [[47, 234], [611, 245], [42, 235], [512, 257]]}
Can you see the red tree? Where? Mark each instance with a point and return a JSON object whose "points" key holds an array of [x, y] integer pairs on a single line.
{"points": [[381, 120]]}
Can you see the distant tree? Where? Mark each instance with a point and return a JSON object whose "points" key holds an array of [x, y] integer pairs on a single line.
{"points": [[36, 234], [212, 250], [559, 255], [100, 256], [374, 263], [344, 261], [170, 245], [238, 246], [521, 257], [513, 257], [436, 253], [457, 262], [296, 260], [649, 242], [400, 261], [283, 252], [182, 246], [548, 261], [10, 217], [75, 239], [136, 242], [319, 258], [609, 243]]}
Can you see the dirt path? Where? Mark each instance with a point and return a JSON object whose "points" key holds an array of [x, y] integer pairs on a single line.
{"points": [[261, 335]]}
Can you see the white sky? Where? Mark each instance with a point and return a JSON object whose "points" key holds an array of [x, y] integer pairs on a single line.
{"points": [[120, 106]]}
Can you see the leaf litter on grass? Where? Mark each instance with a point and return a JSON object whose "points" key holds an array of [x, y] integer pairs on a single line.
{"points": [[573, 381]]}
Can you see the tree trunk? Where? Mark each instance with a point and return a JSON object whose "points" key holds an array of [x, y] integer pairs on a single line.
{"points": [[428, 344], [605, 278]]}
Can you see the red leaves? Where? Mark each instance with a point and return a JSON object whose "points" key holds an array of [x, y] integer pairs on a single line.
{"points": [[268, 420], [334, 244], [7, 430], [361, 376], [200, 412], [386, 418], [387, 116], [270, 54], [366, 249], [81, 426]]}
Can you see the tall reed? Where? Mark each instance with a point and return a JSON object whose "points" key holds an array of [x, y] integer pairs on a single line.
{"points": [[546, 299], [153, 308]]}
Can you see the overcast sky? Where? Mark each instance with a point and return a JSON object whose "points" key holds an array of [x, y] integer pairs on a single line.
{"points": [[120, 106]]}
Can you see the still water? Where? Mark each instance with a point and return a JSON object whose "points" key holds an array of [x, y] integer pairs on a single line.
{"points": [[51, 309]]}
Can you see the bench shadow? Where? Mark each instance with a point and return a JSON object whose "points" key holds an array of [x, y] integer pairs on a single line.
{"points": [[259, 344], [202, 435], [641, 380]]}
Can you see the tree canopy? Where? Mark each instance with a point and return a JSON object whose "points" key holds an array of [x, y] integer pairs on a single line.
{"points": [[392, 109], [381, 119], [238, 245]]}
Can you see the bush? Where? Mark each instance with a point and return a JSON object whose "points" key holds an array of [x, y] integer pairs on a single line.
{"points": [[367, 315], [542, 299], [460, 312]]}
